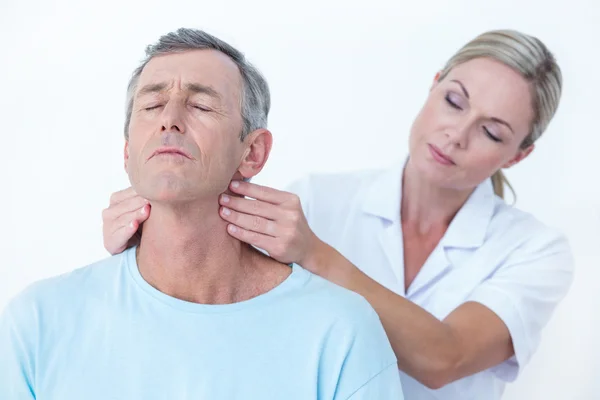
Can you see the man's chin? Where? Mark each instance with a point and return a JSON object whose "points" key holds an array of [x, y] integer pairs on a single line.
{"points": [[175, 195]]}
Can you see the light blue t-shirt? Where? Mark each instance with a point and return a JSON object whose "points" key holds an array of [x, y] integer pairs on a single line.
{"points": [[103, 333]]}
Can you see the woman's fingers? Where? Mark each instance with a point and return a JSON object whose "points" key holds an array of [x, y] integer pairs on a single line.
{"points": [[117, 241], [120, 233], [274, 221], [252, 207], [122, 195], [265, 242], [249, 222], [137, 216], [115, 211], [259, 192], [121, 220]]}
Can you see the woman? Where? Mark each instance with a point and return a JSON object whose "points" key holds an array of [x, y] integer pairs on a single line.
{"points": [[463, 283]]}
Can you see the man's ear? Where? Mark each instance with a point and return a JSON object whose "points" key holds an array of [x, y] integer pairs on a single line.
{"points": [[126, 154], [258, 148], [521, 155]]}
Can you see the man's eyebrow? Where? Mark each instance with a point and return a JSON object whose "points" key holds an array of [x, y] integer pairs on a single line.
{"points": [[152, 88], [195, 88], [203, 89]]}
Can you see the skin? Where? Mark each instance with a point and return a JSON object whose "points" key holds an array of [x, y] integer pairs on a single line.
{"points": [[182, 152], [477, 117]]}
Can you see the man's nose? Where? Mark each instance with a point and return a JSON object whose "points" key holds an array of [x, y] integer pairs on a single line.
{"points": [[172, 120]]}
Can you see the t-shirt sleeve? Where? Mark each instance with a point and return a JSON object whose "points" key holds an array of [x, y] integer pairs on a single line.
{"points": [[384, 385], [370, 368], [525, 292], [16, 351]]}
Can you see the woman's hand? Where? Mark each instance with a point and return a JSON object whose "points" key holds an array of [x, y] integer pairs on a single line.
{"points": [[273, 222], [122, 219]]}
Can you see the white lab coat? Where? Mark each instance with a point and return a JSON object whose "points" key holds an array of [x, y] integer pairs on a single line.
{"points": [[491, 253]]}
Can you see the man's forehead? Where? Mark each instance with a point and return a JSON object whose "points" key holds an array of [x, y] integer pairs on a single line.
{"points": [[208, 67]]}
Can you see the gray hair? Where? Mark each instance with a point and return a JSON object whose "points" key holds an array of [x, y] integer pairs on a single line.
{"points": [[536, 64], [255, 99]]}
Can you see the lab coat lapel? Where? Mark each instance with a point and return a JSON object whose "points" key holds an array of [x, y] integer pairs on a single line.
{"points": [[391, 242], [383, 201], [466, 233], [435, 267]]}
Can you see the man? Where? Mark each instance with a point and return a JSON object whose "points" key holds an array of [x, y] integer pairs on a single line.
{"points": [[192, 313]]}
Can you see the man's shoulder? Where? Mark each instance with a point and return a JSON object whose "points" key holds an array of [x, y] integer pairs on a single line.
{"points": [[338, 303], [355, 345], [67, 288]]}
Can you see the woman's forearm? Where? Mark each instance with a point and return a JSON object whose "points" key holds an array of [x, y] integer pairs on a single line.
{"points": [[425, 347]]}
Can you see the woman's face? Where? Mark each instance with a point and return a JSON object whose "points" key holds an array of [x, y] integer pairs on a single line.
{"points": [[471, 125]]}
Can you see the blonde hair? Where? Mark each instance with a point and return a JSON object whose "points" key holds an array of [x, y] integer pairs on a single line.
{"points": [[532, 59]]}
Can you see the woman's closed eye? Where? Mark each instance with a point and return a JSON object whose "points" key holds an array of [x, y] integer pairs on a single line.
{"points": [[452, 102], [491, 135]]}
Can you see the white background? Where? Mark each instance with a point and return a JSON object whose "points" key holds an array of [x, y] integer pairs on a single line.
{"points": [[346, 78]]}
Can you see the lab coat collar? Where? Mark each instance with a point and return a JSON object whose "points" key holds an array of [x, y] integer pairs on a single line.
{"points": [[467, 229], [384, 195], [470, 225]]}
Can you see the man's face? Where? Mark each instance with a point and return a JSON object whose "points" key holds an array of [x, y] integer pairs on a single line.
{"points": [[185, 125]]}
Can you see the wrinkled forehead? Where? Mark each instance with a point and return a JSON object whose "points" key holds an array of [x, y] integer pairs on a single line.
{"points": [[208, 68]]}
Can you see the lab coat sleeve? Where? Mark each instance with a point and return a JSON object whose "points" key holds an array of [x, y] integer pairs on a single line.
{"points": [[302, 188], [524, 293]]}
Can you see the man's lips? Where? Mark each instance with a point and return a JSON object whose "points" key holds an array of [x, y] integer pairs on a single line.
{"points": [[171, 150]]}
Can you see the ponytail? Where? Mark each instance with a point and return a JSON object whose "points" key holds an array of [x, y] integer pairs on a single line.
{"points": [[498, 182]]}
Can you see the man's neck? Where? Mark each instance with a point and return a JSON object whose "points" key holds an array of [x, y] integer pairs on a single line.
{"points": [[186, 252]]}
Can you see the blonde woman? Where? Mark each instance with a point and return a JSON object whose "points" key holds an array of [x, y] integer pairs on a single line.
{"points": [[463, 283]]}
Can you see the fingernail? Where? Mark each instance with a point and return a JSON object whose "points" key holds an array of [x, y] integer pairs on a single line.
{"points": [[143, 210], [131, 225], [232, 229], [226, 211], [225, 198], [235, 184]]}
